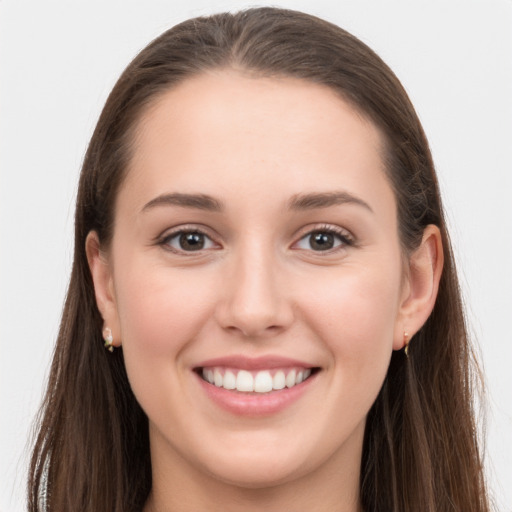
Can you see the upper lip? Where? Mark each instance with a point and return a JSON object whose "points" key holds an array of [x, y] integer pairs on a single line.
{"points": [[254, 363]]}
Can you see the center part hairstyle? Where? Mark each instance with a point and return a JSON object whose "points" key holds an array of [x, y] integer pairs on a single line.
{"points": [[420, 449]]}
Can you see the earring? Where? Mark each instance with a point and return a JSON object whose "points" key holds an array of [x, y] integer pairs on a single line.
{"points": [[406, 341], [109, 339]]}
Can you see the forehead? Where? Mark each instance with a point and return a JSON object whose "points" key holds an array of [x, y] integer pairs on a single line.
{"points": [[226, 130]]}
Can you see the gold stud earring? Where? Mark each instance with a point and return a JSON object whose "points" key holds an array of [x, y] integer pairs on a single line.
{"points": [[109, 339], [406, 341]]}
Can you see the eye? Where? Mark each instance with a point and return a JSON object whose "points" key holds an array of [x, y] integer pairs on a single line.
{"points": [[188, 241], [323, 240]]}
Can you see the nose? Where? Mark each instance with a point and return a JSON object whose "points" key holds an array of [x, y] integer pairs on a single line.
{"points": [[254, 298]]}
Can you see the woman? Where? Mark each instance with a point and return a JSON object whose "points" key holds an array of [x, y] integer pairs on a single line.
{"points": [[260, 246]]}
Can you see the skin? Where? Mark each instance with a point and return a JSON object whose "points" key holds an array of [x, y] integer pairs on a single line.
{"points": [[259, 287]]}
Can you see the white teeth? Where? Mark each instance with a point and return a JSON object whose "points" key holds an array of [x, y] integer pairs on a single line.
{"points": [[290, 379], [229, 380], [259, 382], [208, 375], [279, 381], [217, 378], [244, 381], [263, 382]]}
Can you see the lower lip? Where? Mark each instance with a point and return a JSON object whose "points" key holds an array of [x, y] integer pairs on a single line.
{"points": [[255, 404]]}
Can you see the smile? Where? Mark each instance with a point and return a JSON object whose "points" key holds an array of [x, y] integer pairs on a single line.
{"points": [[262, 381], [255, 387]]}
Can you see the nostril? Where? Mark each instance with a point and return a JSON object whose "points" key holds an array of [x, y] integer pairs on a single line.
{"points": [[255, 331]]}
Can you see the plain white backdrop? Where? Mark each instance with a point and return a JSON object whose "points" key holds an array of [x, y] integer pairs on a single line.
{"points": [[58, 62]]}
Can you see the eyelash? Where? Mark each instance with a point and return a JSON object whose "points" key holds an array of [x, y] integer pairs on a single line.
{"points": [[344, 237], [164, 241]]}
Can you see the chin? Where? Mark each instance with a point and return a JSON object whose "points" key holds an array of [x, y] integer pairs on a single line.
{"points": [[258, 474], [258, 460]]}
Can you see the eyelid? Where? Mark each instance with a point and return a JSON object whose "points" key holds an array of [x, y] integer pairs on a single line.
{"points": [[168, 234], [347, 238]]}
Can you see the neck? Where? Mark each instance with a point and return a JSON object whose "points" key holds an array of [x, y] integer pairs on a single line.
{"points": [[180, 487], [228, 498]]}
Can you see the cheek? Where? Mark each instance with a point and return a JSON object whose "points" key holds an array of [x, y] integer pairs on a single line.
{"points": [[157, 325], [355, 314], [154, 310], [356, 322]]}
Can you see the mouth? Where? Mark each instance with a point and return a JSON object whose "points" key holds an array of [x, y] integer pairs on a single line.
{"points": [[256, 387], [255, 381]]}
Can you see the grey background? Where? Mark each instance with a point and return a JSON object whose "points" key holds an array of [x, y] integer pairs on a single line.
{"points": [[58, 62]]}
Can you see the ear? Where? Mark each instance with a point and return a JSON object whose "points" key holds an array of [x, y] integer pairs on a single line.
{"points": [[421, 285], [101, 273]]}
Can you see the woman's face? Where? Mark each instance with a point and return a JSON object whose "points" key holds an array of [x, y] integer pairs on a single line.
{"points": [[256, 244]]}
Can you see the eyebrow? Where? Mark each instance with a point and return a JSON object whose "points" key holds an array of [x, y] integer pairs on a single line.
{"points": [[198, 201], [297, 202], [324, 200]]}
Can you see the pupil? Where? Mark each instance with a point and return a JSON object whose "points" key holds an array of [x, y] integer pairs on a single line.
{"points": [[192, 241], [322, 241]]}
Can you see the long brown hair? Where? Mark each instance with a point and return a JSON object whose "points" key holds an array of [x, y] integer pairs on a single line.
{"points": [[420, 449]]}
